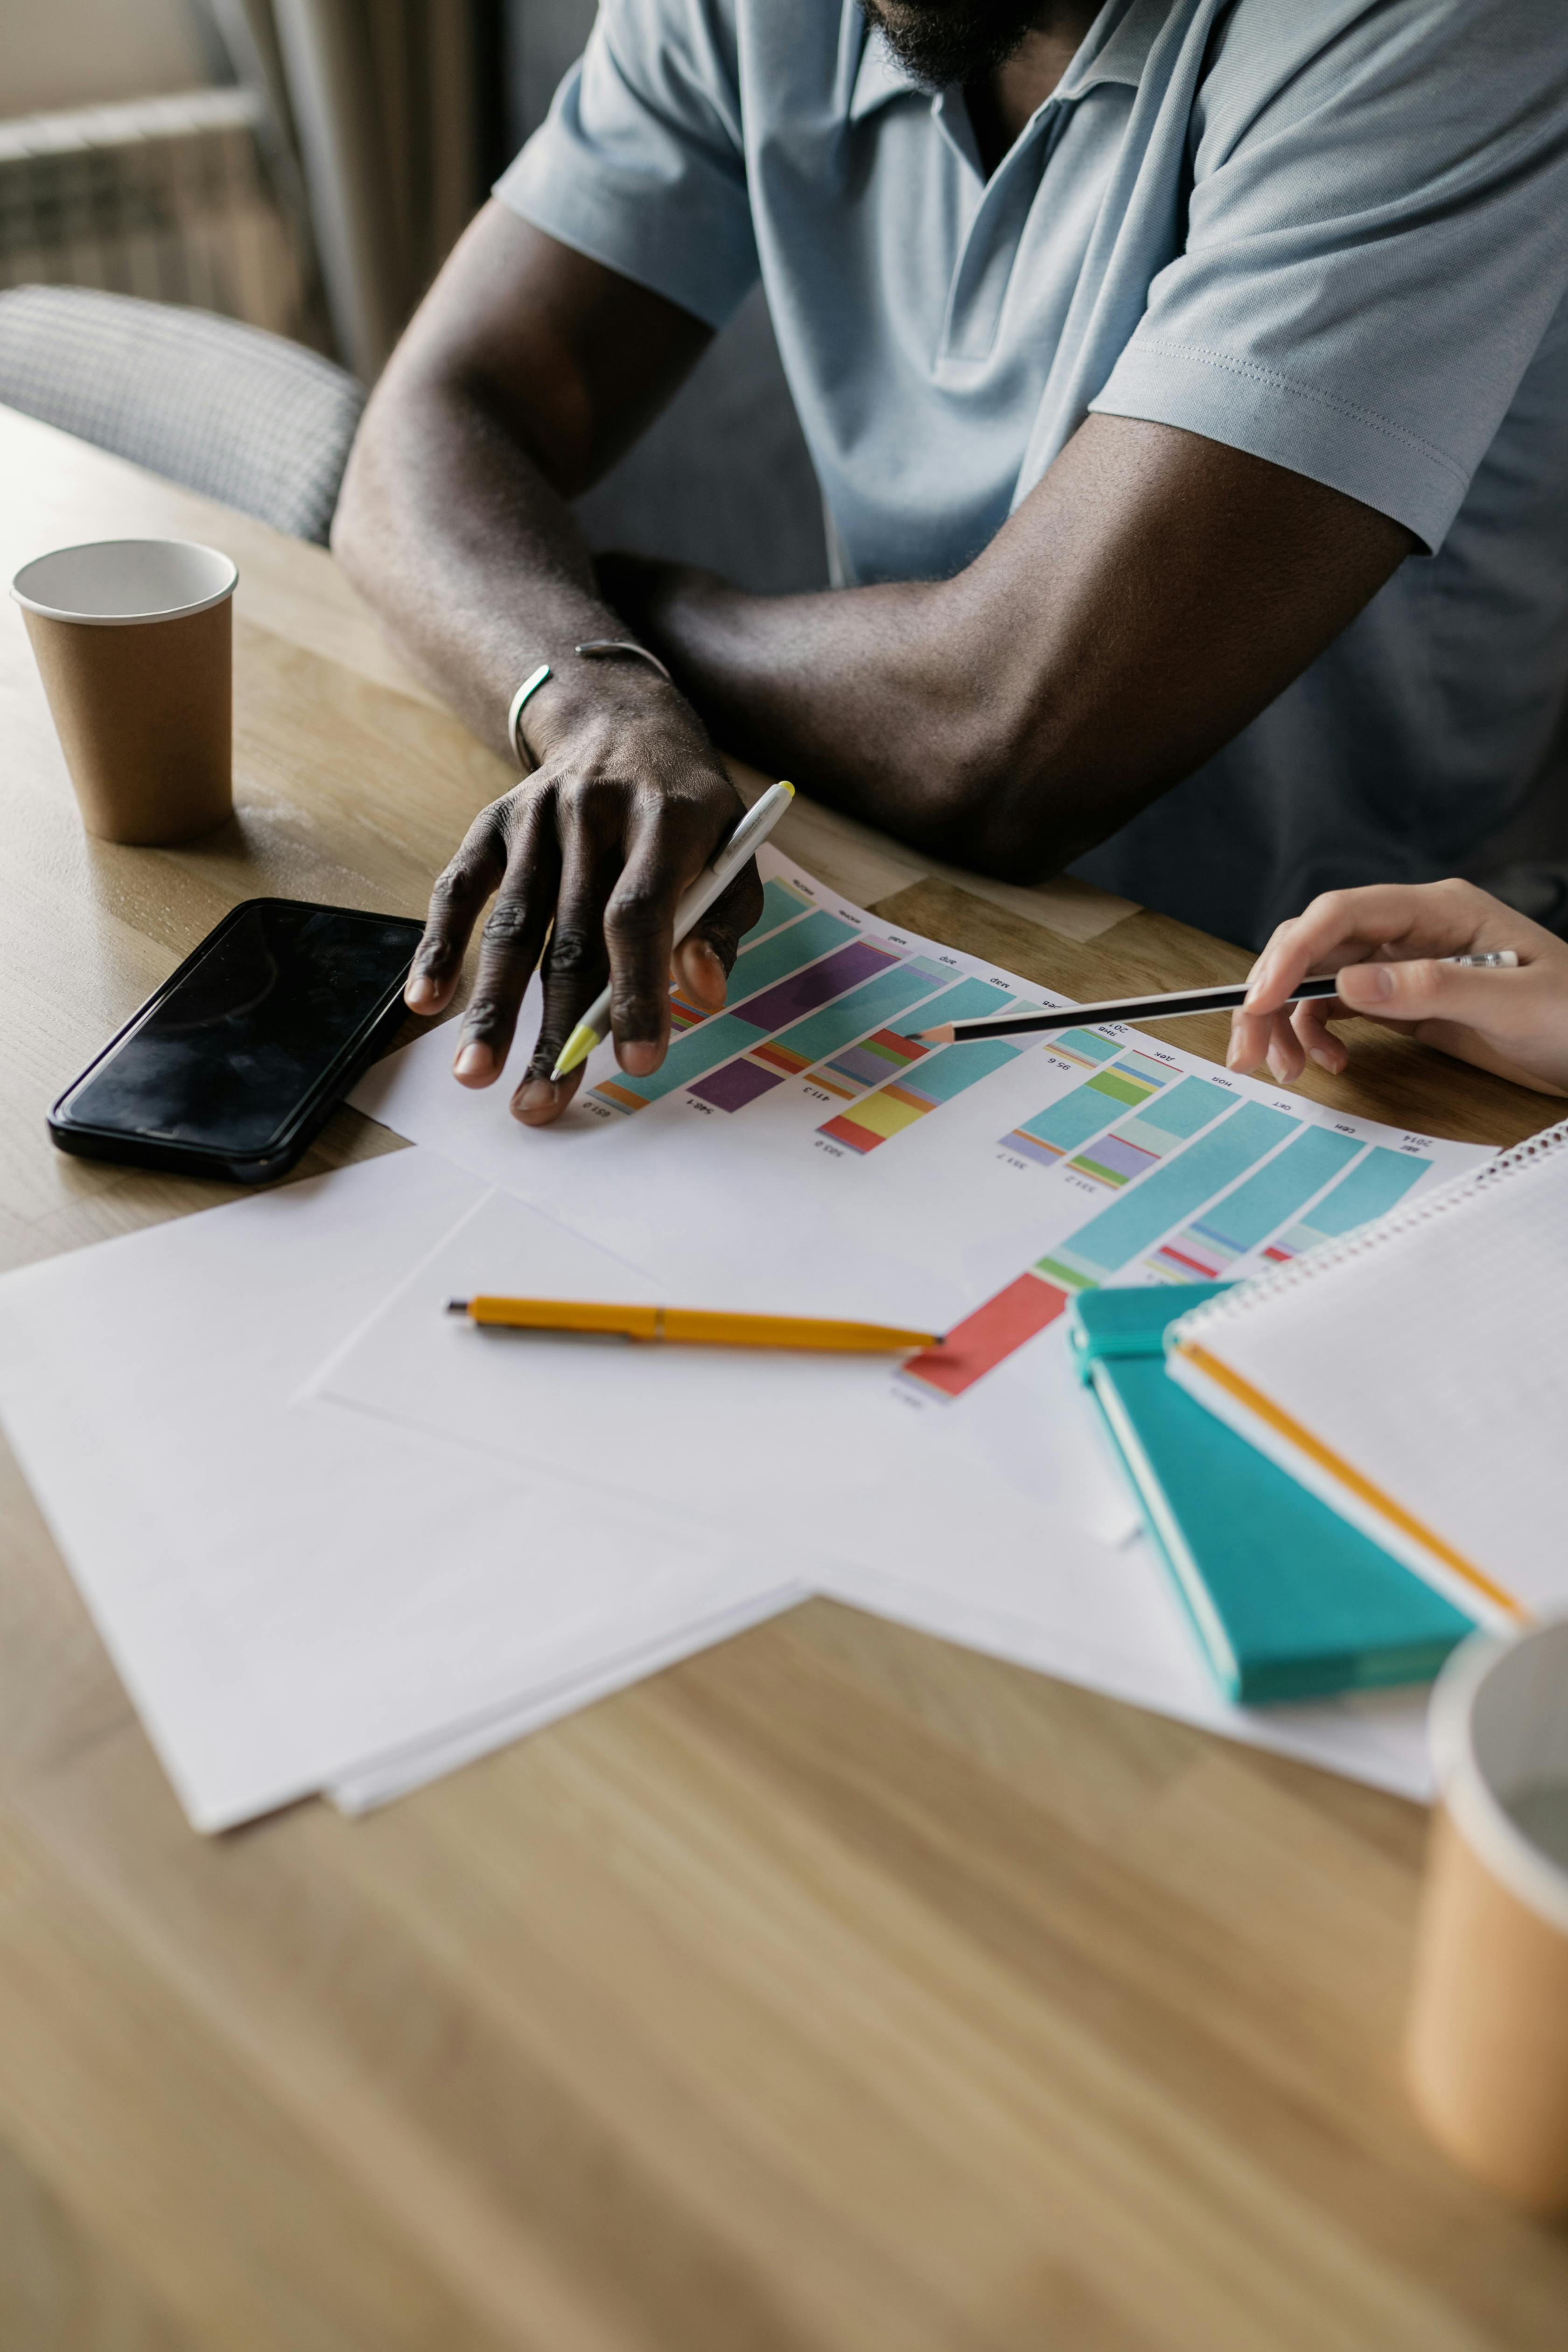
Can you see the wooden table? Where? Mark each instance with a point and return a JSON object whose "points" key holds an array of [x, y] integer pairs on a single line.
{"points": [[837, 1988]]}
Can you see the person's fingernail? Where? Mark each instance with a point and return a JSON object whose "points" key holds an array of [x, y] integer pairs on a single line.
{"points": [[421, 993], [1233, 1055], [473, 1062], [536, 1095], [1367, 984], [638, 1057], [1325, 1060]]}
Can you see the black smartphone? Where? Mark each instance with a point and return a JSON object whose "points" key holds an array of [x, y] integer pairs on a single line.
{"points": [[242, 1054]]}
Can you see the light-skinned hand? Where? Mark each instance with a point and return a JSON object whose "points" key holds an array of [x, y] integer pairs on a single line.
{"points": [[1386, 946]]}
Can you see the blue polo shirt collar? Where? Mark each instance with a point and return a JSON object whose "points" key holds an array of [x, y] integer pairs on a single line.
{"points": [[1115, 50]]}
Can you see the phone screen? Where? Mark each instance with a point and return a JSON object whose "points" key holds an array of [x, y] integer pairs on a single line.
{"points": [[255, 1022]]}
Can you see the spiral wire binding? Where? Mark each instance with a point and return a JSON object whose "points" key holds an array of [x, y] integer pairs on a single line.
{"points": [[1265, 1286]]}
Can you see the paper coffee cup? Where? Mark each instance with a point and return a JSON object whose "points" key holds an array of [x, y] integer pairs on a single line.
{"points": [[133, 641], [1488, 2051]]}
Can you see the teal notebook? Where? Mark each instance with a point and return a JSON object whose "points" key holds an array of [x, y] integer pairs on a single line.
{"points": [[1288, 1600]]}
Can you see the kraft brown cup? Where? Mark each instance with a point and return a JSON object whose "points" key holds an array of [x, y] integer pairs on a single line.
{"points": [[1488, 2049], [133, 641]]}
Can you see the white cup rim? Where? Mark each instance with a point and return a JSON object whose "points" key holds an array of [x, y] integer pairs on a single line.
{"points": [[1477, 1812], [178, 608]]}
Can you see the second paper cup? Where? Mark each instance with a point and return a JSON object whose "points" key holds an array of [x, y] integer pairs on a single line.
{"points": [[1489, 2030]]}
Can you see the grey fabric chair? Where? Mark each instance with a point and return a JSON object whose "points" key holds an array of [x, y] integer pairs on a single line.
{"points": [[227, 409]]}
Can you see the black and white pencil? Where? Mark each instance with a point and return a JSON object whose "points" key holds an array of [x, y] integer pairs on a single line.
{"points": [[1169, 1007]]}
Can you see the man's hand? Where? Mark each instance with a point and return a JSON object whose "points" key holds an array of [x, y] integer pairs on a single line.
{"points": [[1386, 944], [592, 852]]}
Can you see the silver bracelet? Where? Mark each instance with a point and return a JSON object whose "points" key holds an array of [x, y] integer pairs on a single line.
{"points": [[598, 645], [594, 649], [529, 686]]}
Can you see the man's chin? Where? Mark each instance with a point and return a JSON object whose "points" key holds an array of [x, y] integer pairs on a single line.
{"points": [[941, 42]]}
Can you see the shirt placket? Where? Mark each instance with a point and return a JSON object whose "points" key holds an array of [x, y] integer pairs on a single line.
{"points": [[984, 268]]}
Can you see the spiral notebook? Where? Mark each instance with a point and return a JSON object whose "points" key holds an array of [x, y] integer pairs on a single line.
{"points": [[1415, 1376]]}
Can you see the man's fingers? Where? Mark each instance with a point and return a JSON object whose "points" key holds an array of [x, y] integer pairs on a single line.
{"points": [[640, 921], [733, 915], [698, 973], [573, 973], [513, 935], [664, 857], [704, 960], [455, 902]]}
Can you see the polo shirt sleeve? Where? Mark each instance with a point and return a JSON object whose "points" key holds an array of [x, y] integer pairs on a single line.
{"points": [[1377, 240], [641, 164]]}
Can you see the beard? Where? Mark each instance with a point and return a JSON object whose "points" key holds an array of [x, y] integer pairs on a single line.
{"points": [[941, 42]]}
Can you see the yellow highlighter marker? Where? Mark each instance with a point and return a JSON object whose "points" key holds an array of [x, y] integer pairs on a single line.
{"points": [[693, 1327], [748, 838]]}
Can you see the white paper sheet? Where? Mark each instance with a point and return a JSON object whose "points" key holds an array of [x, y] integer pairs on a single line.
{"points": [[290, 1597], [1107, 1618], [744, 1439], [381, 1779], [725, 1437]]}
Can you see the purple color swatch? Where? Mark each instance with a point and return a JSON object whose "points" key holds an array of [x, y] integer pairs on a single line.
{"points": [[736, 1084], [1117, 1157], [818, 984]]}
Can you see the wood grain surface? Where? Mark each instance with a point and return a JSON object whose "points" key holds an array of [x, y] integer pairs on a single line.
{"points": [[838, 1989]]}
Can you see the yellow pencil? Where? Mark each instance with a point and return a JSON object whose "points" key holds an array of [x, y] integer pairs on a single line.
{"points": [[693, 1325]]}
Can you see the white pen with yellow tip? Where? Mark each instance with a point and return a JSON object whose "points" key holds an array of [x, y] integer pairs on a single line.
{"points": [[711, 883]]}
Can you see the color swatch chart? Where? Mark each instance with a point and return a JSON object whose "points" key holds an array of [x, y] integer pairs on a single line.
{"points": [[813, 993], [1203, 1179]]}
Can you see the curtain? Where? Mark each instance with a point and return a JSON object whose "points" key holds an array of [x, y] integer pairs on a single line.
{"points": [[380, 102]]}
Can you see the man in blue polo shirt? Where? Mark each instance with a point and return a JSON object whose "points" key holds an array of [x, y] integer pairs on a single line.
{"points": [[1187, 381]]}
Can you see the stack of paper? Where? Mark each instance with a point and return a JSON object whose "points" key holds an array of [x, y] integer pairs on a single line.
{"points": [[297, 1604], [337, 1539]]}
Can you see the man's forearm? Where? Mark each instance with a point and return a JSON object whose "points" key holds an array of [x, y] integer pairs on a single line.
{"points": [[870, 693], [1152, 593], [508, 395], [474, 563]]}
